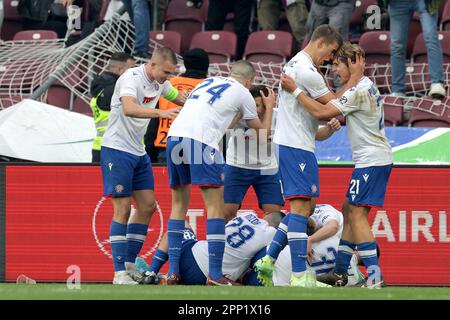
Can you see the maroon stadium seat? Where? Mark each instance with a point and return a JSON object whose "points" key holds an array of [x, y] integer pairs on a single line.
{"points": [[12, 20], [8, 101], [419, 53], [357, 18], [35, 35], [220, 45], [269, 46], [59, 96], [171, 39], [186, 20], [427, 112], [81, 107], [377, 45], [393, 111], [105, 5], [445, 20]]}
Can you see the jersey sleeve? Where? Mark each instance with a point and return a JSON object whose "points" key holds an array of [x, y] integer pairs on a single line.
{"points": [[248, 107], [312, 82], [168, 90], [348, 102], [127, 85]]}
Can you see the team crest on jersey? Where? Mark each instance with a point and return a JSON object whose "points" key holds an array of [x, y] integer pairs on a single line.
{"points": [[148, 99], [365, 176], [119, 188], [313, 188], [343, 100]]}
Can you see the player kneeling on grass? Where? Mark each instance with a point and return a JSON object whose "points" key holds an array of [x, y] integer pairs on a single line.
{"points": [[363, 108], [245, 235]]}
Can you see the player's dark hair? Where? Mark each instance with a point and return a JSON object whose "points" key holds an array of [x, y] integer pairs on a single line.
{"points": [[310, 227], [120, 57], [328, 33], [255, 91]]}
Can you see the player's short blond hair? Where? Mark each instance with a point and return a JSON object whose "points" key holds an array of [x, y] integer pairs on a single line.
{"points": [[243, 69], [165, 54], [349, 50]]}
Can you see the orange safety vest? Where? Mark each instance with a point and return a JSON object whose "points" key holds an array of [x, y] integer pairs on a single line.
{"points": [[181, 84]]}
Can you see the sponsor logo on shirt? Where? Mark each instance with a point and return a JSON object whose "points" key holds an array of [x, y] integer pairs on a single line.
{"points": [[148, 99], [343, 100]]}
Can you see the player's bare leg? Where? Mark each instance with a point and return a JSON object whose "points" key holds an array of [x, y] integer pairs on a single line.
{"points": [[230, 211], [180, 204], [269, 208]]}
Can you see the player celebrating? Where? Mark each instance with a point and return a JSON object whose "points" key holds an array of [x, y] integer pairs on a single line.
{"points": [[252, 162], [126, 168], [193, 157], [372, 154], [295, 134]]}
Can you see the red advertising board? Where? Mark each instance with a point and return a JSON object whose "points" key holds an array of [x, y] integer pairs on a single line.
{"points": [[56, 218]]}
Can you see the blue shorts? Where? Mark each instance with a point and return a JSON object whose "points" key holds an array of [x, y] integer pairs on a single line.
{"points": [[266, 186], [124, 172], [299, 173], [190, 272], [368, 186], [192, 162]]}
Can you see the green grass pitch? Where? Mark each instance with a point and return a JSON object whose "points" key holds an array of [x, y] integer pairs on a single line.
{"points": [[110, 292]]}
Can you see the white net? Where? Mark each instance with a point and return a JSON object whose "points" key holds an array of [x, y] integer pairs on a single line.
{"points": [[49, 71]]}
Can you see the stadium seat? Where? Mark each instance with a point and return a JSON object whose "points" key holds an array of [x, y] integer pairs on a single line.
{"points": [[186, 20], [81, 107], [357, 18], [393, 111], [445, 18], [427, 112], [35, 35], [417, 77], [220, 45], [377, 45], [105, 5], [8, 101], [171, 39], [12, 20], [59, 96], [269, 46], [419, 53]]}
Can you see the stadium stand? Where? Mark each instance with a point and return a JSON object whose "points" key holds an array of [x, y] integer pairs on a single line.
{"points": [[427, 112], [269, 46], [419, 53], [35, 35], [393, 111], [59, 96], [220, 45], [12, 20], [171, 39], [186, 20], [445, 16]]}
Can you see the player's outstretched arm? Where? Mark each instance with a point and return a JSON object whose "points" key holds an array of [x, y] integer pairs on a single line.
{"points": [[327, 231], [327, 131], [316, 109], [132, 109]]}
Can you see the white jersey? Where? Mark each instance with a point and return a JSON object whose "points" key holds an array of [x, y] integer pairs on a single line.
{"points": [[296, 127], [244, 150], [324, 252], [127, 133], [363, 108], [283, 267], [245, 235], [210, 108]]}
